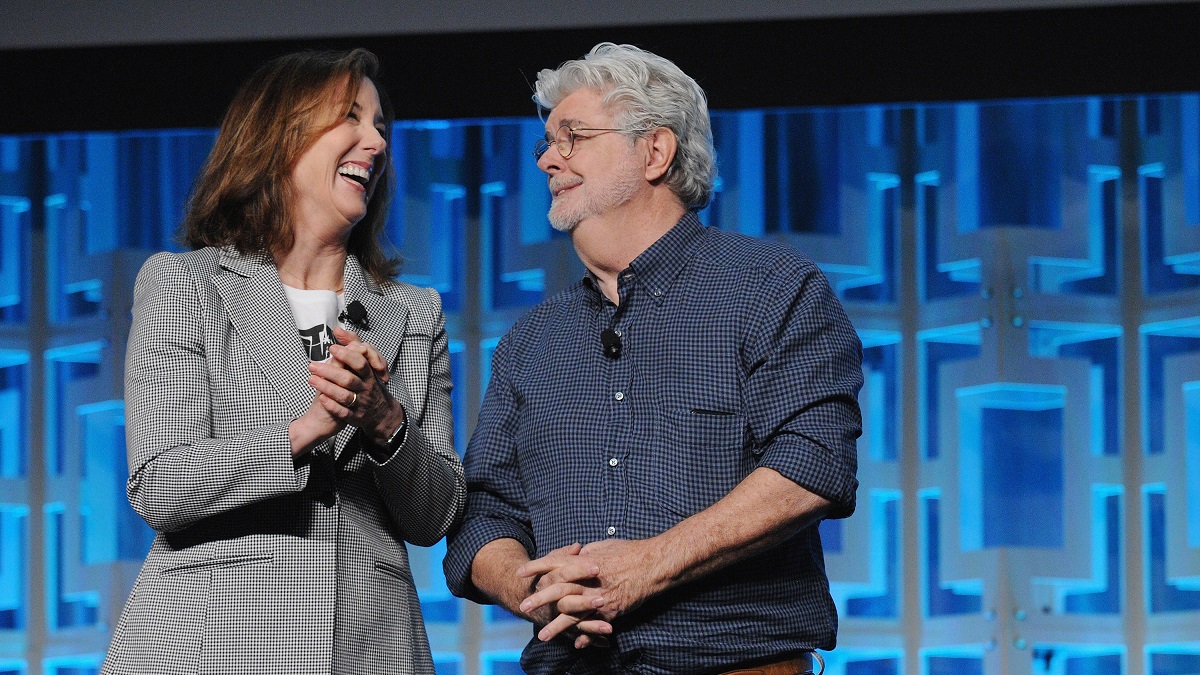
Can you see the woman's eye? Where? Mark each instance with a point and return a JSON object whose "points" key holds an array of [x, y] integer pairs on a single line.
{"points": [[352, 115]]}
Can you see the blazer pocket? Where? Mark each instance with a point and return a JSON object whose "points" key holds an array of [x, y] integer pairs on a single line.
{"points": [[215, 563], [395, 571]]}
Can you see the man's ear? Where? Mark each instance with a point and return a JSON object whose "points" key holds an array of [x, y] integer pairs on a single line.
{"points": [[661, 144]]}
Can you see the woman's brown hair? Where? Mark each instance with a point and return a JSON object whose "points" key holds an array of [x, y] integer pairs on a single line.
{"points": [[244, 195]]}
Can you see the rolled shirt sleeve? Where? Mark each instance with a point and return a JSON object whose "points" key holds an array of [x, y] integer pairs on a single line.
{"points": [[804, 369]]}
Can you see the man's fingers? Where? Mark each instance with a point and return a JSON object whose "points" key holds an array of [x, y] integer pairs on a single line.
{"points": [[543, 597], [551, 561], [576, 598], [574, 571], [555, 628], [579, 604], [594, 628]]}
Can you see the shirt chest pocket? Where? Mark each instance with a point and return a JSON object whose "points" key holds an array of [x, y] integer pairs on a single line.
{"points": [[704, 455]]}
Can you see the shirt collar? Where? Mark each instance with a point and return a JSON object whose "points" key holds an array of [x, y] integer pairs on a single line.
{"points": [[657, 266]]}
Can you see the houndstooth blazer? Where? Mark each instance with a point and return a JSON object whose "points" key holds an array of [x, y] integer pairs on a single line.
{"points": [[263, 564]]}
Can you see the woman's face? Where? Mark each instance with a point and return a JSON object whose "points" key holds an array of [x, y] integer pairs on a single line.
{"points": [[335, 178]]}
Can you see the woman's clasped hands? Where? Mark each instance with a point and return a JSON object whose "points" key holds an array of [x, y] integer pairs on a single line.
{"points": [[352, 390]]}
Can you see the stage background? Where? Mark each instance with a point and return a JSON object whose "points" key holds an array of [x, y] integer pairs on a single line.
{"points": [[1024, 273]]}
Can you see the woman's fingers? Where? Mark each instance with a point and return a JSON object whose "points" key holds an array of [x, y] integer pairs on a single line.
{"points": [[371, 355]]}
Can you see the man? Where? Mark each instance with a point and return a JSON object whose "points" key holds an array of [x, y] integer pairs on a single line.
{"points": [[687, 411]]}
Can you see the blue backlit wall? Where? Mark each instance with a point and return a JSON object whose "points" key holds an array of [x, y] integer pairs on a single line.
{"points": [[1025, 277]]}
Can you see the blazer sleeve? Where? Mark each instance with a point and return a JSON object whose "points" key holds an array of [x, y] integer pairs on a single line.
{"points": [[422, 482], [180, 473]]}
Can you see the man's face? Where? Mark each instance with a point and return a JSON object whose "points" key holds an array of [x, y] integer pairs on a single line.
{"points": [[604, 171]]}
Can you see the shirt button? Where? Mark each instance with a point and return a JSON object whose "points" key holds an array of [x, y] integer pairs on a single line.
{"points": [[611, 531], [620, 396], [614, 461], [617, 332], [658, 293]]}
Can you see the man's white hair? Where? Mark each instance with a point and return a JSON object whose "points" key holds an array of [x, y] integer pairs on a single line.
{"points": [[645, 92]]}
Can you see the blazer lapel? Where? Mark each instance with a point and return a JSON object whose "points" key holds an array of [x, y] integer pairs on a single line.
{"points": [[387, 319], [259, 311]]}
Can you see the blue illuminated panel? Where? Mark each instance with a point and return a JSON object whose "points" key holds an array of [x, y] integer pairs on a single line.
{"points": [[88, 664], [428, 215], [1107, 600], [886, 604], [1174, 662], [502, 663], [517, 240], [1099, 664], [13, 395], [66, 605], [14, 538], [447, 664], [993, 404], [874, 667], [1022, 470], [1166, 595], [954, 665], [1169, 191], [943, 599], [71, 372], [103, 506]]}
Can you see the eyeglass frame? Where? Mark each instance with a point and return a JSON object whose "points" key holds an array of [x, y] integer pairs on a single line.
{"points": [[542, 145]]}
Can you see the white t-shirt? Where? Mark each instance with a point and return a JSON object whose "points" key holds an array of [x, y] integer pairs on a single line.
{"points": [[316, 313]]}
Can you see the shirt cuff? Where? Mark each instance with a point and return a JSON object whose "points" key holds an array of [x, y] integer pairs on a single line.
{"points": [[815, 470]]}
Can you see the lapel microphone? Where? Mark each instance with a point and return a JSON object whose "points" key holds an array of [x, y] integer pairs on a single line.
{"points": [[611, 342], [355, 315]]}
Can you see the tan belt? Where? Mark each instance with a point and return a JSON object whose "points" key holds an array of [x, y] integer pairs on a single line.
{"points": [[797, 666]]}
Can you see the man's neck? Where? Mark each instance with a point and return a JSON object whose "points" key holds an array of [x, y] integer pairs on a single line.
{"points": [[608, 243]]}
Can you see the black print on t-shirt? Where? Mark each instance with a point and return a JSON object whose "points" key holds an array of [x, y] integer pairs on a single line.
{"points": [[316, 341]]}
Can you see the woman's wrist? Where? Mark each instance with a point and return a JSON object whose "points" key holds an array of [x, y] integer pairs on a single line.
{"points": [[302, 436], [393, 424]]}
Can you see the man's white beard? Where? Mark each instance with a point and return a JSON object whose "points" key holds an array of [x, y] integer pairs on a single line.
{"points": [[596, 197]]}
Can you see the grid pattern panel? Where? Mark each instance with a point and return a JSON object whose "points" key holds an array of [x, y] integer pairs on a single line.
{"points": [[1024, 276]]}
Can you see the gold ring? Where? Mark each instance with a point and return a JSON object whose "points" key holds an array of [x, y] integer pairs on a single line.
{"points": [[353, 400]]}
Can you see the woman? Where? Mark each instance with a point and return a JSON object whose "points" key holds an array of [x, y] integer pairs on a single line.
{"points": [[282, 459]]}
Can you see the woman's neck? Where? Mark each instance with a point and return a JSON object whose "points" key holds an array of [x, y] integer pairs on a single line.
{"points": [[312, 267]]}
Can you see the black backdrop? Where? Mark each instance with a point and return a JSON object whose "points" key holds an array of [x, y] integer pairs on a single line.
{"points": [[934, 57]]}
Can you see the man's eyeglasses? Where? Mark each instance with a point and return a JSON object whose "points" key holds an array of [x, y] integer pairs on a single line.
{"points": [[564, 140]]}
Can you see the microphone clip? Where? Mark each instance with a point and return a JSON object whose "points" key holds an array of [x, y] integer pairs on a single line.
{"points": [[610, 341], [355, 315]]}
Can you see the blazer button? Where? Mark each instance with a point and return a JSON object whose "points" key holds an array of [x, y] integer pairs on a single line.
{"points": [[327, 498]]}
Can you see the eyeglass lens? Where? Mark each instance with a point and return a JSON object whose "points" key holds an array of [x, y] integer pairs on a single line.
{"points": [[564, 141]]}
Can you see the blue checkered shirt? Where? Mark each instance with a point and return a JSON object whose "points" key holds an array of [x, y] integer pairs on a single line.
{"points": [[735, 355]]}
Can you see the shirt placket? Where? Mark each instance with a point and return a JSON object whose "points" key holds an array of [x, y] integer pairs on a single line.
{"points": [[621, 409]]}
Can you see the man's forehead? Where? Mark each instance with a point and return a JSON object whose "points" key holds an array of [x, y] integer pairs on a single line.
{"points": [[553, 124], [582, 107]]}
